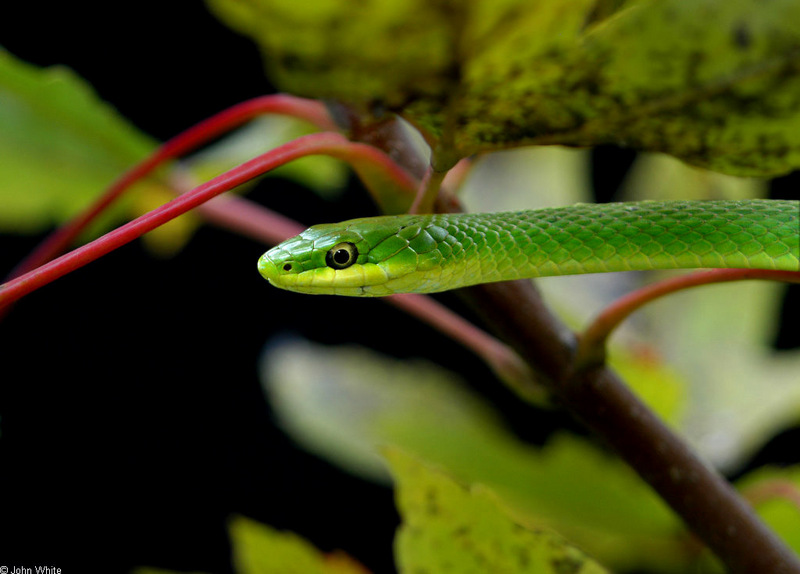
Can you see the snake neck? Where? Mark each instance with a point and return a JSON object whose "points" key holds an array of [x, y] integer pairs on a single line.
{"points": [[592, 238]]}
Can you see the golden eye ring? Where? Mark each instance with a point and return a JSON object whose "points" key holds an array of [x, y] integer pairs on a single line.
{"points": [[341, 256]]}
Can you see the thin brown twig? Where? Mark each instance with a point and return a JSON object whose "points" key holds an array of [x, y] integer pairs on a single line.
{"points": [[428, 191]]}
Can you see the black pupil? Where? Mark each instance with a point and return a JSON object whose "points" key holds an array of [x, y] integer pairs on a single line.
{"points": [[342, 256], [287, 267]]}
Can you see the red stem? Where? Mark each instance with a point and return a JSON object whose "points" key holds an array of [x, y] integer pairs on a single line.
{"points": [[199, 134], [361, 156], [250, 219], [592, 342], [502, 359], [764, 491]]}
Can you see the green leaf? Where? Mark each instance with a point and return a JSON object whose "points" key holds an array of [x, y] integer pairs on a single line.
{"points": [[661, 177], [259, 549], [655, 77], [448, 528], [338, 411], [360, 52], [659, 385], [479, 75], [342, 403], [61, 145], [775, 494]]}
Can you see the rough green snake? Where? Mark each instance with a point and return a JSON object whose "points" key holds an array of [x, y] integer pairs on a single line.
{"points": [[427, 253]]}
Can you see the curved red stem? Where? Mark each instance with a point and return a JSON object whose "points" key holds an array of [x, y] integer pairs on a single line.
{"points": [[360, 156], [185, 142], [592, 342], [776, 488]]}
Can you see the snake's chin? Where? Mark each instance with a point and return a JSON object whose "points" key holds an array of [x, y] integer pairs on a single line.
{"points": [[367, 280]]}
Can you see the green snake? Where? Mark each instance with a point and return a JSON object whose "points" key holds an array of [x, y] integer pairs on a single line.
{"points": [[379, 256]]}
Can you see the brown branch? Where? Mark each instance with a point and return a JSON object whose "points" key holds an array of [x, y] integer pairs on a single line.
{"points": [[697, 493], [706, 502]]}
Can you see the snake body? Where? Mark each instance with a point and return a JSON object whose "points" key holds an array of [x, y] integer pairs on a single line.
{"points": [[427, 253]]}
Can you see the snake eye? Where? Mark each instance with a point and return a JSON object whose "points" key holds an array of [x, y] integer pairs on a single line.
{"points": [[341, 255]]}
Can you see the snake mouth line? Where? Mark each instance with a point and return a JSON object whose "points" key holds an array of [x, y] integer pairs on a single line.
{"points": [[357, 280]]}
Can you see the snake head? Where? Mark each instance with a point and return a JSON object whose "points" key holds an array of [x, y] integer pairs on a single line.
{"points": [[361, 258], [323, 259]]}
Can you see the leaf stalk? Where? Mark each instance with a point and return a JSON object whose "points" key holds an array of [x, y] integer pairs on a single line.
{"points": [[591, 349]]}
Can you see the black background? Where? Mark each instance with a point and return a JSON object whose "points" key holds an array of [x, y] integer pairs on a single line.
{"points": [[132, 419]]}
